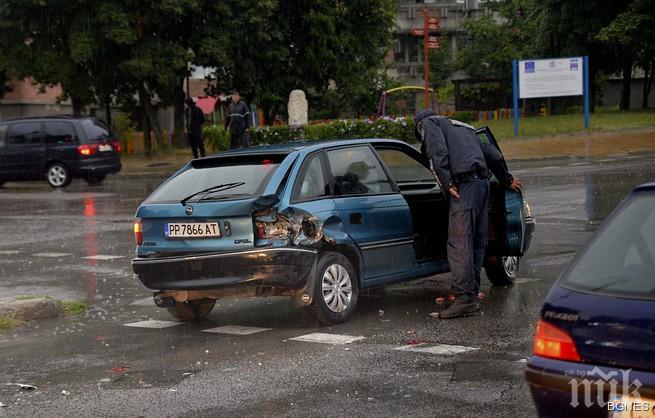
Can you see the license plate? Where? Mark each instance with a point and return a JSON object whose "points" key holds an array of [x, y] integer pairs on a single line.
{"points": [[192, 230], [105, 148], [628, 406]]}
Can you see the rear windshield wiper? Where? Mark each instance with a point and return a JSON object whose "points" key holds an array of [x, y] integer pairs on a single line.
{"points": [[218, 188]]}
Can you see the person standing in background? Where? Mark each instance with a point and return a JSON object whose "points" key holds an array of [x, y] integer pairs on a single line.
{"points": [[194, 119], [238, 122]]}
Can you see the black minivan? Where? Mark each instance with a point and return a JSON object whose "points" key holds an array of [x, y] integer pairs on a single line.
{"points": [[57, 148]]}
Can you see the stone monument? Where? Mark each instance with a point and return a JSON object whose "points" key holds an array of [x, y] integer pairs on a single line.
{"points": [[297, 108]]}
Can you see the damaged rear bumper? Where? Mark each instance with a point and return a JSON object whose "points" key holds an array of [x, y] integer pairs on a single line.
{"points": [[289, 268]]}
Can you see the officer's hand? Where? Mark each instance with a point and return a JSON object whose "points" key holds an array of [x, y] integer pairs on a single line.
{"points": [[454, 192], [516, 185]]}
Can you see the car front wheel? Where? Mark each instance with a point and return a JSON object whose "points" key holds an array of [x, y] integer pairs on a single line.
{"points": [[502, 270], [335, 291], [58, 175], [192, 310]]}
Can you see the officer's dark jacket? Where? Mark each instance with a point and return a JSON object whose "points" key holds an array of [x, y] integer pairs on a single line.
{"points": [[454, 149], [238, 118]]}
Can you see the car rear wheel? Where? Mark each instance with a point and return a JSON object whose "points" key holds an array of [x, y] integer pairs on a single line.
{"points": [[502, 270], [58, 175], [335, 291], [94, 179], [192, 310]]}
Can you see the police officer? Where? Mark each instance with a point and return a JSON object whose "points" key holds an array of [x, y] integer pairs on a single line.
{"points": [[194, 120], [238, 121], [462, 162]]}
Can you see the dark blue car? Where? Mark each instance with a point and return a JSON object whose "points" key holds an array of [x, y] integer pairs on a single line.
{"points": [[594, 350], [316, 221]]}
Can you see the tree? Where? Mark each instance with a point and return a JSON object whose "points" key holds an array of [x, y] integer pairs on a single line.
{"points": [[633, 34]]}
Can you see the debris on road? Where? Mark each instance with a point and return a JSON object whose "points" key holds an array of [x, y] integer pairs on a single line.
{"points": [[414, 341], [440, 300], [381, 312], [22, 386], [65, 392], [120, 369], [481, 295], [434, 314]]}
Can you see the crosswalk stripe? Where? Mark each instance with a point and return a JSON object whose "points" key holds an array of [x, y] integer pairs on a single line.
{"points": [[236, 330], [319, 337]]}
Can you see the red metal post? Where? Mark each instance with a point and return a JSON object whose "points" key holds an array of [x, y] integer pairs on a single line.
{"points": [[426, 65]]}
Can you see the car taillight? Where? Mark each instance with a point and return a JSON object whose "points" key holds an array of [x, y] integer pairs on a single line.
{"points": [[138, 232], [117, 146], [271, 230], [553, 342], [87, 150]]}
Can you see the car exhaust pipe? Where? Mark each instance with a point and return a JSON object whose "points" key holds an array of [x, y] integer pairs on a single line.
{"points": [[163, 301]]}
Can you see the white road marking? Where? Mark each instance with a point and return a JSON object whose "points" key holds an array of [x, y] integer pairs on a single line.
{"points": [[52, 255], [236, 330], [523, 360], [607, 160], [153, 324], [319, 337], [143, 302], [577, 164], [9, 252], [440, 349], [103, 257], [524, 280]]}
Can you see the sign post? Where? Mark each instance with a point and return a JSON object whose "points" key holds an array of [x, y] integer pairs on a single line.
{"points": [[556, 77], [430, 34]]}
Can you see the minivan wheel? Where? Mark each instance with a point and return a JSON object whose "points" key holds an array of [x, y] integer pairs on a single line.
{"points": [[94, 179], [502, 270], [58, 175], [335, 291], [192, 310]]}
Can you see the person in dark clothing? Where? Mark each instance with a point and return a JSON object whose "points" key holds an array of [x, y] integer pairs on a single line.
{"points": [[194, 119], [238, 122], [461, 163]]}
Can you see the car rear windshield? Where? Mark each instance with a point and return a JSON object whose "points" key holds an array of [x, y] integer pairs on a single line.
{"points": [[252, 171], [96, 131], [620, 260]]}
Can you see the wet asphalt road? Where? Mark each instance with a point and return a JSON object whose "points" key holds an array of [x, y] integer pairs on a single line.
{"points": [[94, 365]]}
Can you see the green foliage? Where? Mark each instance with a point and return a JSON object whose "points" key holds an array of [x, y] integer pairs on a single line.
{"points": [[9, 322], [216, 137], [71, 308]]}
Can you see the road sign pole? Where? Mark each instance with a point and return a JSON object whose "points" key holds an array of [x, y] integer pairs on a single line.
{"points": [[585, 76], [515, 91], [426, 66]]}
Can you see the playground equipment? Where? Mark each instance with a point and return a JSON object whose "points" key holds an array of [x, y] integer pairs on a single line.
{"points": [[382, 106]]}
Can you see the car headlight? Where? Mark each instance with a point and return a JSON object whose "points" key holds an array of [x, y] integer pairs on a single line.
{"points": [[526, 209]]}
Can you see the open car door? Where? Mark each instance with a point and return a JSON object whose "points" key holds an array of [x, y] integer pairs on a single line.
{"points": [[506, 218]]}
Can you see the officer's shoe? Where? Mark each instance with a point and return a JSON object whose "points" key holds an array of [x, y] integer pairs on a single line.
{"points": [[460, 308]]}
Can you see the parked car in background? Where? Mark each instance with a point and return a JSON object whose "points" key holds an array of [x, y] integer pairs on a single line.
{"points": [[595, 341], [316, 221], [57, 148]]}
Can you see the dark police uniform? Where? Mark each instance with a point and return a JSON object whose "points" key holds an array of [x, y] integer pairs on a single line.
{"points": [[194, 120], [238, 121], [459, 158]]}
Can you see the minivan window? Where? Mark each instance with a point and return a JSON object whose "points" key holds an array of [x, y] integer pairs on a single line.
{"points": [[253, 174], [620, 261], [95, 130], [59, 132], [24, 133], [357, 171]]}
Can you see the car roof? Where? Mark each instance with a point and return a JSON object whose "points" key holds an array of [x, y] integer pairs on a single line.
{"points": [[645, 186], [306, 146]]}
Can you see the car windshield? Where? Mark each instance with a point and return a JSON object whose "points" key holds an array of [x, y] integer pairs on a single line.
{"points": [[247, 179], [95, 130], [620, 261]]}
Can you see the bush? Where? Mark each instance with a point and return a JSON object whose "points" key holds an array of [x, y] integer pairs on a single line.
{"points": [[216, 137]]}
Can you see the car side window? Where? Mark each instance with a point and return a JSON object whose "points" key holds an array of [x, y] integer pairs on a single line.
{"points": [[313, 183], [57, 132], [403, 167], [24, 133], [3, 134], [357, 171]]}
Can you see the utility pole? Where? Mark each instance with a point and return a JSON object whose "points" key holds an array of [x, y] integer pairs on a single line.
{"points": [[430, 34]]}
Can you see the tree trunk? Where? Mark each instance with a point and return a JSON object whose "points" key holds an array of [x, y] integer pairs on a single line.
{"points": [[648, 83], [178, 117], [108, 109], [627, 85], [144, 106]]}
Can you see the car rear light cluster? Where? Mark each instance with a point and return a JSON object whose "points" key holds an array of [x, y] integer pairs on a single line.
{"points": [[271, 230], [117, 146], [553, 342], [138, 232], [87, 149]]}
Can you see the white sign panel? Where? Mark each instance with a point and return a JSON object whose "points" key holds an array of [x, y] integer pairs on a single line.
{"points": [[550, 77]]}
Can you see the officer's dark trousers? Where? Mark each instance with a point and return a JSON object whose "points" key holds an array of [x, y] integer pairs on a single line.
{"points": [[467, 237], [195, 141], [239, 140]]}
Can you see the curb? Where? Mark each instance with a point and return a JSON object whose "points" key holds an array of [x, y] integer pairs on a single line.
{"points": [[30, 309]]}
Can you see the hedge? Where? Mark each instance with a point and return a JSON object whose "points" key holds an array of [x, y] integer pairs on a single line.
{"points": [[401, 128]]}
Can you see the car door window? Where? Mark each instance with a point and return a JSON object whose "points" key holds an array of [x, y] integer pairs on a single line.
{"points": [[24, 133], [404, 168], [59, 132], [357, 171], [312, 183]]}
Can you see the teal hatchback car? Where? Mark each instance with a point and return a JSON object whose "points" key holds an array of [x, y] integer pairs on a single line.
{"points": [[315, 221]]}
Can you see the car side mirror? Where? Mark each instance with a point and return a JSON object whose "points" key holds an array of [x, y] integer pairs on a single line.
{"points": [[267, 201]]}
